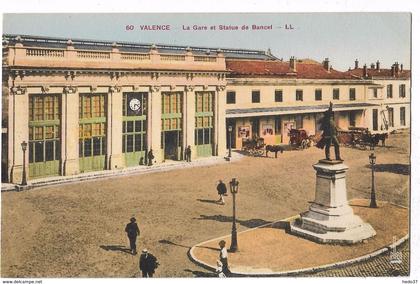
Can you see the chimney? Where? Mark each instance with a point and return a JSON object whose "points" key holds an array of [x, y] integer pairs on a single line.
{"points": [[372, 66], [365, 73], [393, 70], [292, 63], [378, 65], [401, 67], [356, 64], [326, 64], [397, 68]]}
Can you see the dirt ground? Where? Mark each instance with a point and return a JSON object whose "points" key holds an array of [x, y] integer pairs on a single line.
{"points": [[77, 230], [267, 243]]}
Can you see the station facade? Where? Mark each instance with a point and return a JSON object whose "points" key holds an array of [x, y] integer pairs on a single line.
{"points": [[93, 105]]}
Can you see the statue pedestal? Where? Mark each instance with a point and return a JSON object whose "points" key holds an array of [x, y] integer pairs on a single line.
{"points": [[330, 219]]}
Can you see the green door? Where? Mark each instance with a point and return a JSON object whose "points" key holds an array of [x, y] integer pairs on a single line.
{"points": [[44, 135], [204, 123], [171, 136], [92, 132], [134, 139]]}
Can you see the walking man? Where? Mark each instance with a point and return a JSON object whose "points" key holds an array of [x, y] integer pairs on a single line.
{"points": [[223, 257], [221, 190], [150, 157], [132, 231], [148, 263]]}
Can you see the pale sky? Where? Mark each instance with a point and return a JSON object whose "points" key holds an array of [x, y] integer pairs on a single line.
{"points": [[342, 37]]}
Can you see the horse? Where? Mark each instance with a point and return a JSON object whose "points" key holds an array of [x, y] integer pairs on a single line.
{"points": [[273, 148], [375, 138], [382, 137]]}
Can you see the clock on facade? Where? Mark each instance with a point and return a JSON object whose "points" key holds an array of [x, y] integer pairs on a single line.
{"points": [[134, 104]]}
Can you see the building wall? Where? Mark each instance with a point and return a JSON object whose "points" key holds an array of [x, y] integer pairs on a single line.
{"points": [[70, 72], [244, 93], [383, 103], [306, 119], [69, 96]]}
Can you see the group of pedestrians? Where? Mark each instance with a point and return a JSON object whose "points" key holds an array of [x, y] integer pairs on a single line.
{"points": [[148, 262], [151, 156]]}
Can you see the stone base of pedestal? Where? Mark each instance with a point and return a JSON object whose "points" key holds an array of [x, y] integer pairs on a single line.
{"points": [[330, 219], [344, 229]]}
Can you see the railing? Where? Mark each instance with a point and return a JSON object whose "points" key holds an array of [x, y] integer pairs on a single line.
{"points": [[44, 52], [205, 59], [135, 56], [75, 57], [172, 57], [93, 54]]}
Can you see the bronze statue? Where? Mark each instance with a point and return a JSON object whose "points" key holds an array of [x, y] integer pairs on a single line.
{"points": [[329, 134]]}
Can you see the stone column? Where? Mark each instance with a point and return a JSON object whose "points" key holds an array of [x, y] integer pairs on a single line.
{"points": [[189, 119], [155, 118], [18, 132], [114, 128], [70, 131], [220, 127], [149, 120]]}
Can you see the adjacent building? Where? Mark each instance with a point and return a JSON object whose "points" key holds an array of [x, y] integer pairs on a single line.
{"points": [[268, 98], [86, 105], [390, 93]]}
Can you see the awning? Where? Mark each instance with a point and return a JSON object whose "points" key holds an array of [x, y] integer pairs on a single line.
{"points": [[244, 112]]}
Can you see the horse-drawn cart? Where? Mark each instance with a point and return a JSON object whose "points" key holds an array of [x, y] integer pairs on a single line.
{"points": [[254, 146], [299, 138], [360, 137]]}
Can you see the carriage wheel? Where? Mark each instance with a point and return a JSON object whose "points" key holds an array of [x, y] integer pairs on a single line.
{"points": [[260, 152]]}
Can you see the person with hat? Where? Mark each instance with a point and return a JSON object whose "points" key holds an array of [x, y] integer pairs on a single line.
{"points": [[147, 264], [132, 231]]}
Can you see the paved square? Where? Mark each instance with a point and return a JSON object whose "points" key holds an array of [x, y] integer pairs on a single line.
{"points": [[77, 230]]}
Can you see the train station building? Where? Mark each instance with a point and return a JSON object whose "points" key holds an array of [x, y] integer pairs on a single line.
{"points": [[84, 105]]}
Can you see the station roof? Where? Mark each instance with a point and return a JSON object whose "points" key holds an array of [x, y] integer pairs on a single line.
{"points": [[56, 42], [305, 69], [303, 108]]}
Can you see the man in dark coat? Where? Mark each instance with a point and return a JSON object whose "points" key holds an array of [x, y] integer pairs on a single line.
{"points": [[132, 231], [150, 157], [148, 263], [329, 134], [221, 190], [188, 153]]}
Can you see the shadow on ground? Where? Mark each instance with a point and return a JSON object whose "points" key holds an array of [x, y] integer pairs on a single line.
{"points": [[208, 201], [251, 223], [116, 248], [400, 169], [200, 273], [167, 242]]}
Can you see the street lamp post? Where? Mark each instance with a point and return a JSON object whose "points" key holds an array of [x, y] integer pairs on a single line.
{"points": [[24, 146], [234, 187], [230, 141], [372, 160]]}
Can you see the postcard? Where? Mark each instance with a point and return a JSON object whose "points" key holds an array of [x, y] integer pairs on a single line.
{"points": [[219, 145]]}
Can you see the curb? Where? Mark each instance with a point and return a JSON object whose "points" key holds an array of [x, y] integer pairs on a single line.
{"points": [[296, 272], [117, 173]]}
